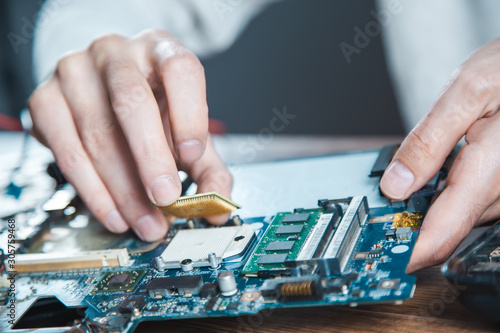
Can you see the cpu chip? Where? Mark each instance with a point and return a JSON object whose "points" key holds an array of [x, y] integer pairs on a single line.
{"points": [[119, 281], [200, 205]]}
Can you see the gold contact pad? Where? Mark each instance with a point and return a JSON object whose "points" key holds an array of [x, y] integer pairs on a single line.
{"points": [[406, 219]]}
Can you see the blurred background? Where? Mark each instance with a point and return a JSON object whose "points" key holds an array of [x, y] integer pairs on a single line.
{"points": [[289, 56]]}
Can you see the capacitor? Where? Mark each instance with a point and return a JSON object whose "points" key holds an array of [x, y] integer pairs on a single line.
{"points": [[227, 283]]}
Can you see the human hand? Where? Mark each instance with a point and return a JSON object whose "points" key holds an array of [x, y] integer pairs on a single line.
{"points": [[120, 118], [468, 106]]}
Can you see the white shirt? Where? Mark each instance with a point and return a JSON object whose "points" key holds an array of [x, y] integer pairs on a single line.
{"points": [[425, 40]]}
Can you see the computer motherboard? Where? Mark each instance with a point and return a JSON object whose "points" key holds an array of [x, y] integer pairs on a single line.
{"points": [[342, 252]]}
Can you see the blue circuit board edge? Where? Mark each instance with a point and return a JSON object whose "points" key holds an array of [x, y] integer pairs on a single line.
{"points": [[367, 287]]}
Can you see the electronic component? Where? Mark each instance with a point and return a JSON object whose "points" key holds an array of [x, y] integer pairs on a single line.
{"points": [[360, 255], [232, 307], [175, 285], [300, 291], [212, 304], [389, 284], [289, 229], [318, 240], [292, 289], [374, 253], [272, 259], [296, 218], [390, 235], [384, 158], [132, 304], [335, 258], [323, 247], [206, 247], [280, 246], [119, 281], [403, 234], [208, 290], [407, 219], [227, 283], [44, 262], [421, 199], [339, 285], [276, 235], [200, 205]]}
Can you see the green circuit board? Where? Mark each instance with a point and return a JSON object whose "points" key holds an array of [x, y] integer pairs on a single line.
{"points": [[294, 234]]}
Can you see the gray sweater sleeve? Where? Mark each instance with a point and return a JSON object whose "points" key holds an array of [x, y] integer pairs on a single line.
{"points": [[426, 40], [204, 26]]}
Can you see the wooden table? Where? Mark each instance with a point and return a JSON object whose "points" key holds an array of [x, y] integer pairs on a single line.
{"points": [[434, 308]]}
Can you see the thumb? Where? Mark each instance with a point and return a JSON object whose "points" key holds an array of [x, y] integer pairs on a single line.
{"points": [[419, 158], [426, 147]]}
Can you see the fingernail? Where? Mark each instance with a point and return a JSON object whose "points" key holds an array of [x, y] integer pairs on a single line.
{"points": [[165, 190], [115, 222], [397, 180], [190, 151], [150, 229]]}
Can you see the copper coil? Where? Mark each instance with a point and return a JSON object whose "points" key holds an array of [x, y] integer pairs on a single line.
{"points": [[297, 289]]}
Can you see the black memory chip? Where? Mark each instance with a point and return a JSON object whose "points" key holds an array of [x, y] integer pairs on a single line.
{"points": [[166, 286], [280, 246], [296, 218], [175, 282], [118, 279], [272, 259], [289, 229]]}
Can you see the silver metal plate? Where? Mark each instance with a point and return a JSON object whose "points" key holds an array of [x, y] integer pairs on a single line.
{"points": [[197, 244]]}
